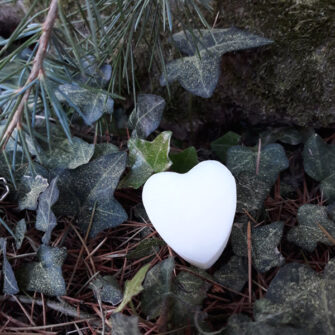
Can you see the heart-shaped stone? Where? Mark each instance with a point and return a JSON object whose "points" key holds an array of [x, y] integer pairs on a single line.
{"points": [[193, 212]]}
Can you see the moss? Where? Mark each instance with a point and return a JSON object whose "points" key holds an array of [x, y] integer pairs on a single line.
{"points": [[291, 81]]}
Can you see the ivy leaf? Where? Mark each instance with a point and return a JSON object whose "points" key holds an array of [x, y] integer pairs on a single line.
{"points": [[44, 276], [107, 289], [222, 144], [9, 283], [185, 160], [189, 293], [91, 186], [308, 233], [133, 287], [147, 158], [66, 155], [288, 135], [272, 161], [124, 325], [199, 73], [102, 149], [298, 301], [264, 241], [20, 231], [218, 41], [157, 288], [319, 163], [34, 186], [252, 191], [234, 274], [46, 219], [145, 248], [147, 115], [91, 104]]}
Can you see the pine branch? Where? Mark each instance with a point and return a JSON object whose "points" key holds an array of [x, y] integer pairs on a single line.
{"points": [[36, 71]]}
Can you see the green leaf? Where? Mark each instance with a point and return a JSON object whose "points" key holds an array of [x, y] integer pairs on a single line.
{"points": [[272, 161], [92, 104], [157, 289], [107, 289], [252, 191], [66, 155], [298, 301], [222, 144], [147, 115], [44, 276], [147, 247], [133, 287], [264, 241], [218, 41], [234, 274], [199, 73], [319, 158], [147, 158], [319, 163], [46, 219], [189, 293], [9, 282], [92, 186], [20, 231], [124, 325], [288, 135], [34, 186], [308, 233], [185, 160], [102, 149]]}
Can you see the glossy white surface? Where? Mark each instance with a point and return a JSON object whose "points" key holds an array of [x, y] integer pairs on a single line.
{"points": [[193, 212]]}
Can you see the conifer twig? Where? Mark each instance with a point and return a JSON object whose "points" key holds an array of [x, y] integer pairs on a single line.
{"points": [[36, 71]]}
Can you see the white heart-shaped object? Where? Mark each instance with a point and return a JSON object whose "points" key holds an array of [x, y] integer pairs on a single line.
{"points": [[193, 212]]}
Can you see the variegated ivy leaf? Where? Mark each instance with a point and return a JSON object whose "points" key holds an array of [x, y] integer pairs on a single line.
{"points": [[147, 158], [66, 155], [90, 104], [46, 219], [218, 41], [34, 186], [147, 115], [200, 71]]}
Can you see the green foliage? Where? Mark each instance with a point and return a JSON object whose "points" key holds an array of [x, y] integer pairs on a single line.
{"points": [[185, 160], [147, 247], [45, 218], [9, 281], [157, 289], [319, 163], [264, 241], [133, 287], [44, 276], [311, 219], [199, 72], [88, 192], [221, 145], [107, 289], [234, 274], [255, 173], [35, 186], [146, 115], [147, 158], [298, 301], [66, 155]]}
